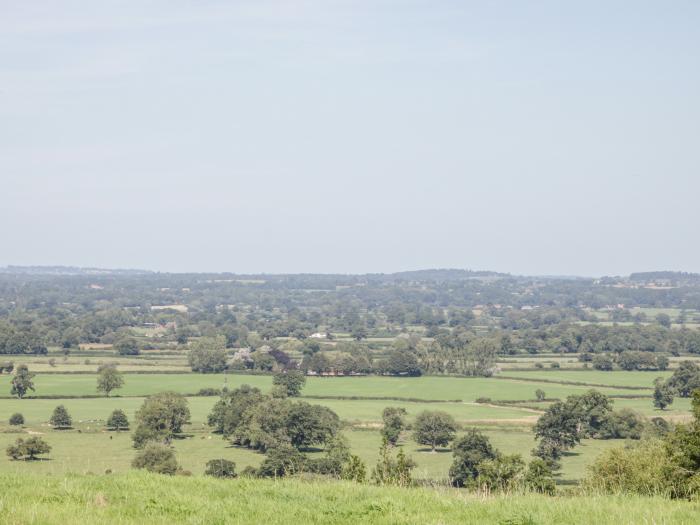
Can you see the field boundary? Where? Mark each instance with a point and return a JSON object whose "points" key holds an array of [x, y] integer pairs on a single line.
{"points": [[573, 383]]}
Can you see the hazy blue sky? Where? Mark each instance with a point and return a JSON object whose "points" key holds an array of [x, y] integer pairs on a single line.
{"points": [[322, 136]]}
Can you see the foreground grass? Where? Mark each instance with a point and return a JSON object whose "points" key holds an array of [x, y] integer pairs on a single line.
{"points": [[138, 497]]}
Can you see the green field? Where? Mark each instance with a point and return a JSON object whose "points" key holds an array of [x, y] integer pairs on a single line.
{"points": [[612, 379], [425, 387], [89, 448], [97, 451], [38, 411], [138, 497]]}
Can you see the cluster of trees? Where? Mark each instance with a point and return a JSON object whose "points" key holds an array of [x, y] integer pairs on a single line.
{"points": [[685, 380], [477, 464], [668, 464], [630, 360], [160, 419], [28, 449], [589, 415], [252, 419]]}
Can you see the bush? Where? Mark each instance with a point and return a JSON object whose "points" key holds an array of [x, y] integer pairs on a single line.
{"points": [[220, 468], [394, 422], [658, 427], [209, 392], [28, 449], [60, 419], [483, 399], [502, 473], [635, 469], [354, 470], [603, 362], [127, 346], [118, 421], [390, 471], [160, 418], [469, 452], [157, 458], [17, 419], [622, 424], [283, 460], [540, 395], [539, 477]]}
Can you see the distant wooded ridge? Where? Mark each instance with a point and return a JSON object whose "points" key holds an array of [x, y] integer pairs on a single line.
{"points": [[431, 274]]}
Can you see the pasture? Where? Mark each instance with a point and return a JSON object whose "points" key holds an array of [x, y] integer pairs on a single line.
{"points": [[425, 387], [358, 401]]}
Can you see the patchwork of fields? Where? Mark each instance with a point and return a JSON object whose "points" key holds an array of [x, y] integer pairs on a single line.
{"points": [[359, 402]]}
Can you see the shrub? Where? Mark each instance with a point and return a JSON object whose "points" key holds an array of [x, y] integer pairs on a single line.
{"points": [[28, 449], [390, 471], [603, 362], [249, 472], [622, 424], [60, 419], [118, 421], [157, 458], [17, 419], [502, 473], [283, 460], [332, 463], [354, 470], [658, 427], [220, 468], [540, 395], [160, 418], [483, 399], [209, 392], [635, 469], [469, 452], [127, 346], [394, 422], [539, 477]]}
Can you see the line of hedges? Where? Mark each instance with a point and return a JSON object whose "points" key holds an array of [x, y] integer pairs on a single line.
{"points": [[386, 398], [574, 383]]}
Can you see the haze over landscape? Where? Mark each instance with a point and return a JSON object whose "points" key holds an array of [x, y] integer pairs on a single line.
{"points": [[308, 136]]}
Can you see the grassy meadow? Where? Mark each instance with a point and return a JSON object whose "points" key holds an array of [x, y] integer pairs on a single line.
{"points": [[139, 497], [90, 448]]}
